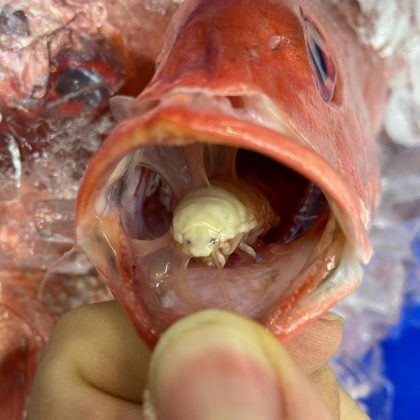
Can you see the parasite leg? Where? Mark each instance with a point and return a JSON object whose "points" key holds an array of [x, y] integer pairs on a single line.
{"points": [[219, 259], [248, 249]]}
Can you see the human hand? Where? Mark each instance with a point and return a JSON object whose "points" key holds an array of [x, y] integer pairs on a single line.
{"points": [[211, 365]]}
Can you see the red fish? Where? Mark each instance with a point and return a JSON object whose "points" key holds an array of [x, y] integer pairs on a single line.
{"points": [[280, 96]]}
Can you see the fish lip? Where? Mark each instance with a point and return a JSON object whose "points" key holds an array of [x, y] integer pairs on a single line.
{"points": [[214, 128]]}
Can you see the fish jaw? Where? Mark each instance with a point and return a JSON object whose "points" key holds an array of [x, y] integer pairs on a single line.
{"points": [[101, 236], [222, 82]]}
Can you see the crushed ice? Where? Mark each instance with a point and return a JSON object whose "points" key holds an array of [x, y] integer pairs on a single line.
{"points": [[392, 28], [392, 278], [10, 168]]}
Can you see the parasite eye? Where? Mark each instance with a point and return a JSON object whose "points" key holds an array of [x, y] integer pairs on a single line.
{"points": [[321, 64], [14, 22]]}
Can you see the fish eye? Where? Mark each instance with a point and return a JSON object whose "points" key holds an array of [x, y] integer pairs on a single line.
{"points": [[77, 91], [213, 241], [71, 80], [321, 63], [81, 83], [188, 242]]}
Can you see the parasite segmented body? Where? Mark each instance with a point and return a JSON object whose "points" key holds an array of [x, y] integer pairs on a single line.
{"points": [[213, 222]]}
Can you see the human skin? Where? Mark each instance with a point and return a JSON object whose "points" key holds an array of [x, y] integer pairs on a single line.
{"points": [[211, 365]]}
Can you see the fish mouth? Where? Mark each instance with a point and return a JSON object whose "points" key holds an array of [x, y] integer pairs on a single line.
{"points": [[303, 264]]}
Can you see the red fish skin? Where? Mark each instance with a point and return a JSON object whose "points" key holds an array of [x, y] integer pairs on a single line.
{"points": [[25, 325], [215, 47], [20, 349]]}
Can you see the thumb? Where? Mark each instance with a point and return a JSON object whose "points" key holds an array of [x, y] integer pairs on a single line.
{"points": [[216, 365]]}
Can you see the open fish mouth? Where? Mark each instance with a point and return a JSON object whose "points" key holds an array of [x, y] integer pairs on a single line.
{"points": [[244, 176], [299, 264]]}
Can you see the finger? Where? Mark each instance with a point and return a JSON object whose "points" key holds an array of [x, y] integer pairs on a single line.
{"points": [[326, 386], [349, 410], [93, 363], [216, 365], [316, 344], [339, 403]]}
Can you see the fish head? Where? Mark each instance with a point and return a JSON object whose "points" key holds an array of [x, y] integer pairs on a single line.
{"points": [[280, 95]]}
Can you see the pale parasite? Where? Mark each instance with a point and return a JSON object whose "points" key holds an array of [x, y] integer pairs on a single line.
{"points": [[210, 223]]}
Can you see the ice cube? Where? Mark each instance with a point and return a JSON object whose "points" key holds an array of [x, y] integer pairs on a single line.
{"points": [[72, 262], [61, 292], [10, 168], [402, 118], [67, 148], [54, 220], [22, 249], [400, 187], [158, 6]]}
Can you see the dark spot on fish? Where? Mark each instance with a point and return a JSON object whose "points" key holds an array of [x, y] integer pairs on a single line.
{"points": [[82, 81], [14, 22], [73, 80], [82, 85]]}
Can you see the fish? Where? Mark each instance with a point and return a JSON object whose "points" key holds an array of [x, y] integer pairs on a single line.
{"points": [[60, 62], [278, 94]]}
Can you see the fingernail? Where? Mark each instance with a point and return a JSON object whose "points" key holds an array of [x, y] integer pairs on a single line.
{"points": [[212, 372], [332, 316]]}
